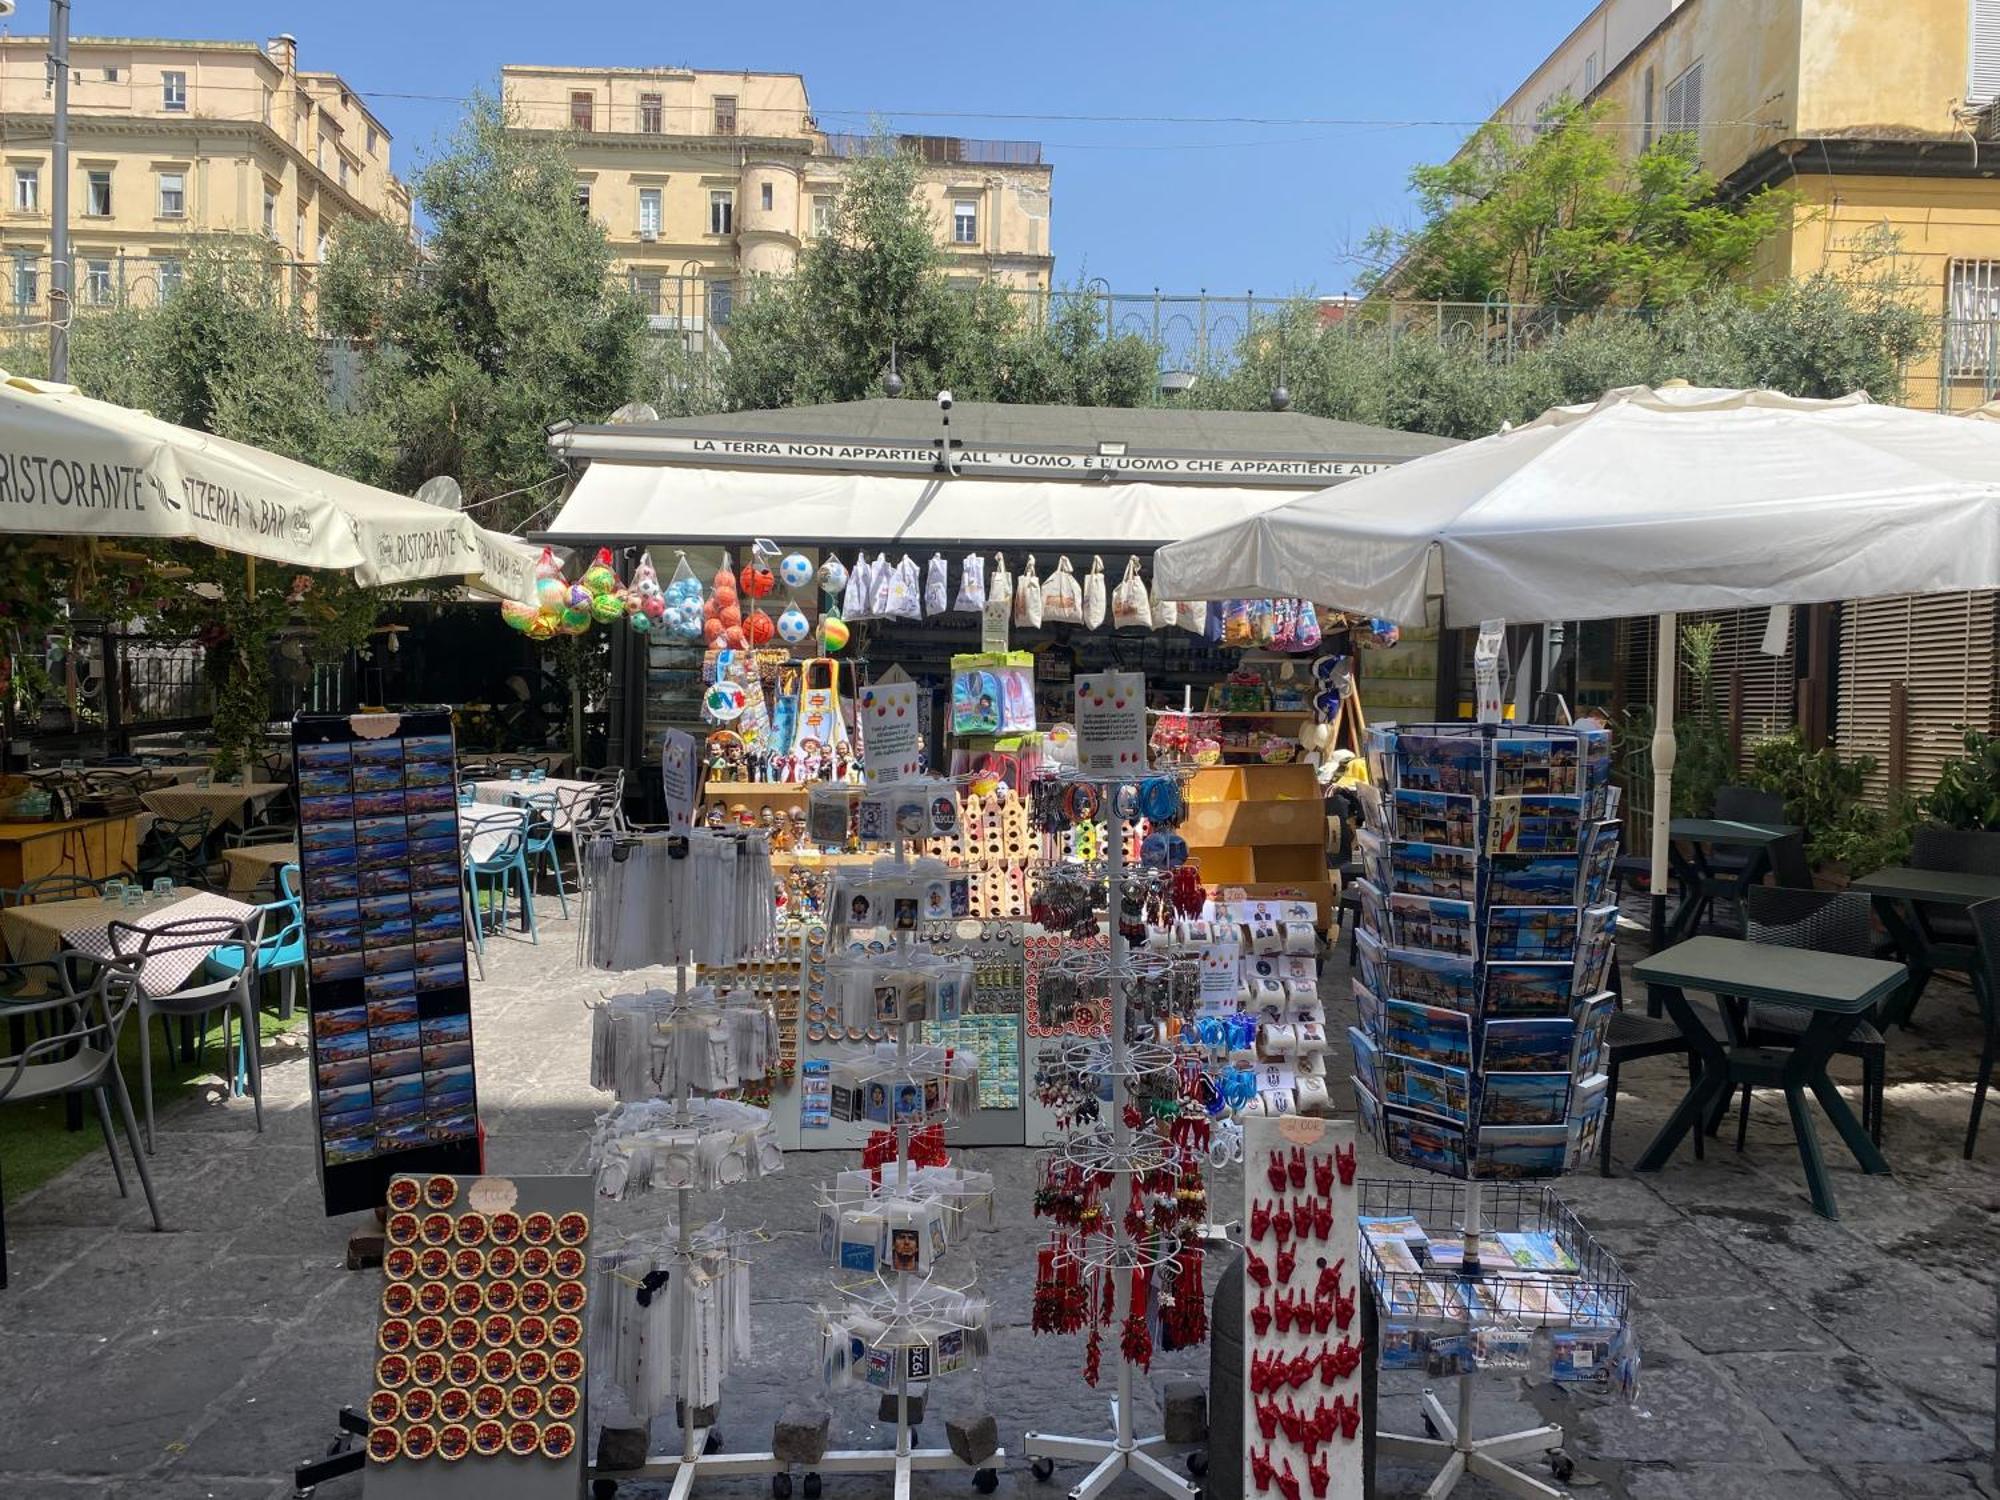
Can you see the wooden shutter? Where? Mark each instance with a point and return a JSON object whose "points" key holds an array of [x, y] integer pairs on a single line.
{"points": [[1982, 82], [1945, 651]]}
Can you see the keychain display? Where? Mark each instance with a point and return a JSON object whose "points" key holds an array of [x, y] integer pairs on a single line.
{"points": [[636, 1323], [654, 1145], [659, 898]]}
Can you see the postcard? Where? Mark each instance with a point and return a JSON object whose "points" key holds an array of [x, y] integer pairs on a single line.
{"points": [[428, 773], [408, 1136], [336, 808], [391, 1038], [427, 747], [1519, 1151], [1424, 1141], [1520, 880], [1368, 959], [1534, 825], [1374, 909], [1519, 989], [1434, 924], [341, 1046], [332, 885], [343, 1074], [1523, 1099], [1373, 849], [1368, 1005], [439, 924], [1535, 1046], [433, 824], [1600, 864], [1586, 1117], [1439, 1036], [400, 1110], [437, 900], [1597, 949], [324, 942], [378, 855], [441, 976], [345, 1100], [1428, 1086], [378, 804], [454, 1080], [1367, 1113], [440, 798], [432, 845], [439, 1029], [323, 781], [1538, 1250], [378, 752], [435, 875], [384, 986], [315, 837], [1440, 979], [453, 1125], [354, 1144], [323, 755], [1381, 752], [1534, 934], [1434, 870], [331, 966], [440, 951], [387, 960], [1441, 763], [448, 1055], [1437, 818], [381, 830], [1592, 1024], [385, 907], [1364, 1057], [349, 1018], [377, 778], [396, 1064], [395, 1011]]}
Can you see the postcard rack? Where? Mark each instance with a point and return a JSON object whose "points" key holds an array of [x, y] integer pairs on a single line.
{"points": [[1452, 1300]]}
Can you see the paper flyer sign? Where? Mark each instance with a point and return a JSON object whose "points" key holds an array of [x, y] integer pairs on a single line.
{"points": [[680, 775], [1111, 722], [1489, 668], [1221, 978], [889, 720]]}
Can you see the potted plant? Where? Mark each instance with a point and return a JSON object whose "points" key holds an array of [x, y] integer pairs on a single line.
{"points": [[1967, 792], [1846, 834]]}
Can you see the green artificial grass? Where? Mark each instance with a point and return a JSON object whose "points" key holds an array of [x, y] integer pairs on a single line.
{"points": [[34, 1143]]}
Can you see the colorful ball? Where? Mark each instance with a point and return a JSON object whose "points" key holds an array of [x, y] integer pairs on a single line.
{"points": [[606, 607], [759, 629], [653, 607], [833, 632], [541, 628], [517, 616], [758, 580], [552, 592], [796, 570], [793, 626], [579, 597], [641, 623]]}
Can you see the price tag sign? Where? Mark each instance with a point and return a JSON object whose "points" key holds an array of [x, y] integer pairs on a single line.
{"points": [[889, 721], [681, 777], [1489, 668], [1111, 723]]}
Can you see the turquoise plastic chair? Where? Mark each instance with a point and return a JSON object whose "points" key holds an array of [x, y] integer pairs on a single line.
{"points": [[504, 862], [540, 839], [283, 954]]}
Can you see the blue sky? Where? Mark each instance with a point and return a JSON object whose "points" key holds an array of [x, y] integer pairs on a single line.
{"points": [[1181, 204]]}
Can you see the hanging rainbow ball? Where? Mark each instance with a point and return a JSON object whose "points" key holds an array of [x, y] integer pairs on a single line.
{"points": [[606, 608], [833, 632], [795, 571]]}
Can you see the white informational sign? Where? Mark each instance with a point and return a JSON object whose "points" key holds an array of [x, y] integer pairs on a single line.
{"points": [[1489, 668], [890, 730], [1221, 977], [1111, 723], [680, 775], [1314, 1159]]}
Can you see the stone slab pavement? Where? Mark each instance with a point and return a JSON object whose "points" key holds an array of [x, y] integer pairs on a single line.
{"points": [[1784, 1355]]}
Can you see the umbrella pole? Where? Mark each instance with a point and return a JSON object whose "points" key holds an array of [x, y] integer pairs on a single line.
{"points": [[1665, 748]]}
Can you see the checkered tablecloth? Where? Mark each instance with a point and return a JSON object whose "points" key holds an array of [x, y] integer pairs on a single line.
{"points": [[229, 805], [254, 867], [569, 794], [48, 927], [484, 825]]}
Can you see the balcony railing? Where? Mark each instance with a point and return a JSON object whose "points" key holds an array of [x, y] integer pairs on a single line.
{"points": [[944, 150]]}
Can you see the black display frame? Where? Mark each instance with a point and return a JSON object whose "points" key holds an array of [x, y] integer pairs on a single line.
{"points": [[344, 976]]}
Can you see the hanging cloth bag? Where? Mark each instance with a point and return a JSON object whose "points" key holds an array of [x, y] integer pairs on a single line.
{"points": [[1062, 599], [999, 597], [904, 599], [1093, 594], [1028, 597], [971, 585], [1166, 613], [881, 579], [1194, 616], [859, 594], [1129, 607], [937, 585]]}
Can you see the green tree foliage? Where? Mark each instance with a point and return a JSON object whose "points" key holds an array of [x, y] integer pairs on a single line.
{"points": [[1563, 218], [876, 286], [508, 320]]}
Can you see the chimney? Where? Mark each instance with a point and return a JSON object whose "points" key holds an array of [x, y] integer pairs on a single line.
{"points": [[283, 49]]}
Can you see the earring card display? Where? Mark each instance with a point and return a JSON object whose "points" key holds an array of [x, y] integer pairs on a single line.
{"points": [[1301, 1336], [386, 983], [480, 1365], [1487, 931]]}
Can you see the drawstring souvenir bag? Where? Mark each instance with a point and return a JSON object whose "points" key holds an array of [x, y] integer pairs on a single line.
{"points": [[881, 579], [999, 598], [937, 585], [1028, 596], [903, 599], [1166, 613], [858, 597], [1093, 594], [1062, 599], [971, 585], [1129, 607], [1194, 616]]}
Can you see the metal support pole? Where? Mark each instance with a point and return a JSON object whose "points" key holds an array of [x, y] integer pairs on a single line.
{"points": [[61, 282], [1665, 750]]}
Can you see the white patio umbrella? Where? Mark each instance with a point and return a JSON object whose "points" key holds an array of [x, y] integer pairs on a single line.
{"points": [[74, 466], [1644, 502]]}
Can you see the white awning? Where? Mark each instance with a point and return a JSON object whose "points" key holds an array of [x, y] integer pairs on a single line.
{"points": [[638, 503]]}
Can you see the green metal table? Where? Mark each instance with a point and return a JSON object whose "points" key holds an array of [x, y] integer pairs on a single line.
{"points": [[1701, 882], [1839, 992], [1900, 892]]}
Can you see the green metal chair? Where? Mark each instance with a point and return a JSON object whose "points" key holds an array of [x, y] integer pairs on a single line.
{"points": [[1985, 917]]}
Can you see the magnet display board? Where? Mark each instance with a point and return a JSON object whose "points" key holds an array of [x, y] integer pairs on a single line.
{"points": [[386, 984], [1301, 1297]]}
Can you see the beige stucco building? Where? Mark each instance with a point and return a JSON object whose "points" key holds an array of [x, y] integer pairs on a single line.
{"points": [[702, 179], [170, 140]]}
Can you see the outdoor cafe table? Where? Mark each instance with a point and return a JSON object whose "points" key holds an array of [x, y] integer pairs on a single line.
{"points": [[1692, 838], [1837, 990], [228, 803], [254, 867], [1898, 892], [568, 794]]}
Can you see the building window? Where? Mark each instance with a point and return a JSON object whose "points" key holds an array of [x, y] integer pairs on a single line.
{"points": [[764, 199], [27, 189], [1972, 318], [270, 212], [823, 215], [722, 212], [1646, 111], [97, 193], [324, 244], [174, 92], [1590, 72], [110, 74], [343, 171], [965, 222], [721, 302], [1982, 83], [173, 195], [374, 141], [27, 281], [319, 154], [649, 213], [97, 282], [1684, 103], [266, 108], [649, 114], [581, 108], [725, 114], [647, 289], [299, 232], [170, 277], [583, 199]]}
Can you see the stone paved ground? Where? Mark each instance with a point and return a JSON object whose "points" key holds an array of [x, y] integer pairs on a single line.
{"points": [[1786, 1357]]}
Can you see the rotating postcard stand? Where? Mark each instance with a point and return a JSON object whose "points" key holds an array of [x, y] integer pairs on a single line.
{"points": [[896, 1327], [1119, 1152], [695, 1137], [1485, 936]]}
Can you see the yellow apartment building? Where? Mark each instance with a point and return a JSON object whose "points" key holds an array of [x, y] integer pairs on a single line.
{"points": [[1878, 114], [702, 179], [171, 140]]}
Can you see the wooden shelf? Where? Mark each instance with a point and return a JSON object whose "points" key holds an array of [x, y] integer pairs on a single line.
{"points": [[770, 790]]}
